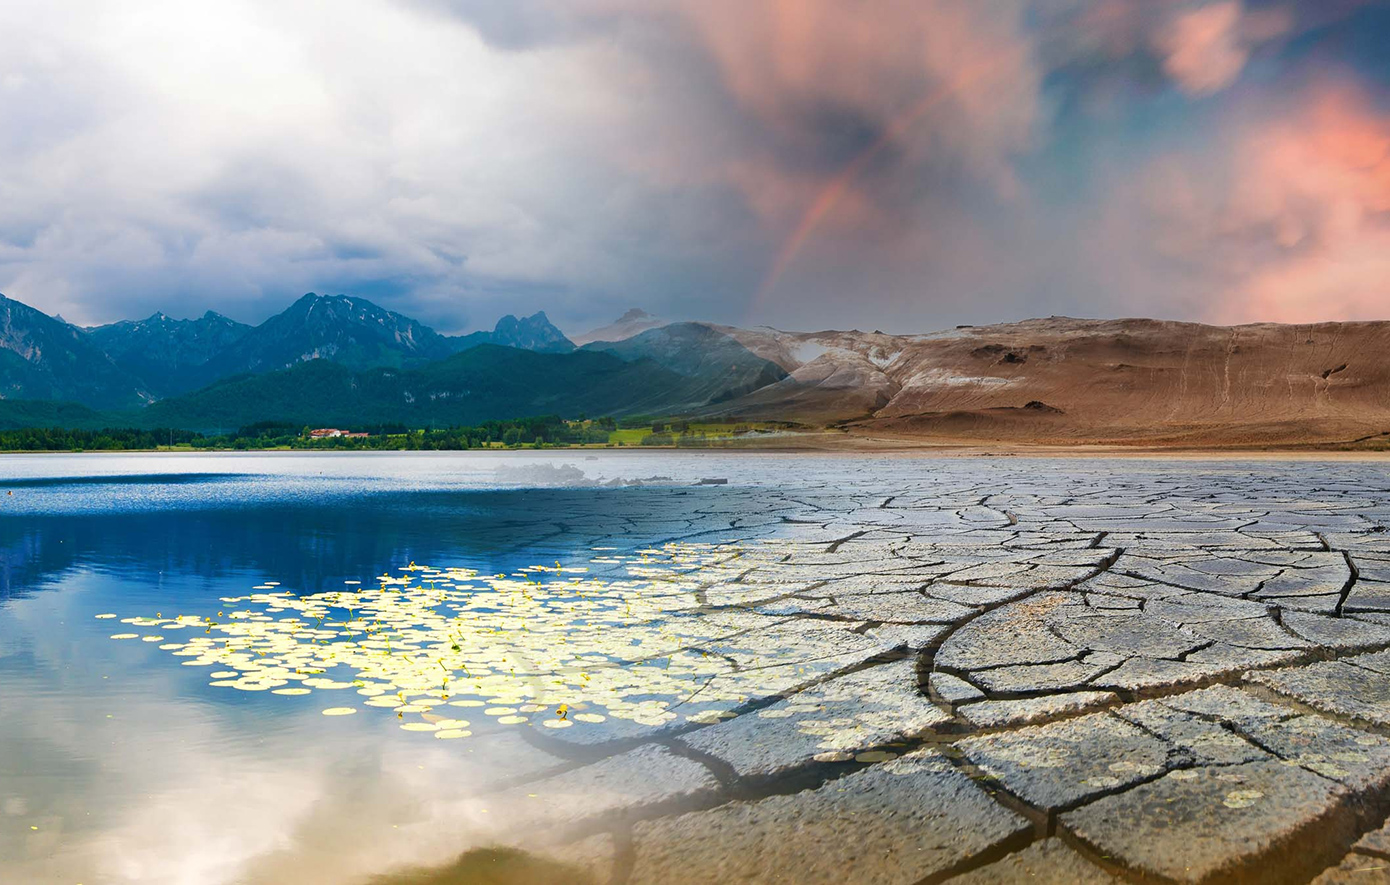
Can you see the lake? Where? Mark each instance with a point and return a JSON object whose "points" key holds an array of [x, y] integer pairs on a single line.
{"points": [[263, 668]]}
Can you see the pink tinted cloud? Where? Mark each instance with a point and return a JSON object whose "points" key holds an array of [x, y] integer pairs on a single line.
{"points": [[1292, 224], [952, 92], [832, 119], [782, 58], [804, 73], [1202, 46], [934, 83], [1202, 49], [1320, 184]]}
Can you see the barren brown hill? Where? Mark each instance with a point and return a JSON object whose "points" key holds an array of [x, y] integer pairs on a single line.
{"points": [[1068, 380]]}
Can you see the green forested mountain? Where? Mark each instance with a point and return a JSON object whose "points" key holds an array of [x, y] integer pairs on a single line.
{"points": [[483, 383], [168, 356], [18, 413], [341, 360], [336, 328], [43, 358], [171, 356]]}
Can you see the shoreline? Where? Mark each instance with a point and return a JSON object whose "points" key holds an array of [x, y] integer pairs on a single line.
{"points": [[896, 447]]}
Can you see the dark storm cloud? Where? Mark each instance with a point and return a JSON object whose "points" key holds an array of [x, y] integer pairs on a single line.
{"points": [[904, 164]]}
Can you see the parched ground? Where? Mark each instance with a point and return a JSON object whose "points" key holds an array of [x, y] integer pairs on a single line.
{"points": [[1012, 672]]}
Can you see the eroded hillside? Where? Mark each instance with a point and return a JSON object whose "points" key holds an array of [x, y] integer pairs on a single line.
{"points": [[1069, 379]]}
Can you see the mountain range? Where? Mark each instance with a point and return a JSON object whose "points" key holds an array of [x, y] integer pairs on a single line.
{"points": [[343, 360], [135, 362], [43, 358], [483, 383], [166, 355], [338, 359]]}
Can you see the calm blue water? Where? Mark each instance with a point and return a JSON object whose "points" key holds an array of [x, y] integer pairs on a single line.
{"points": [[119, 765]]}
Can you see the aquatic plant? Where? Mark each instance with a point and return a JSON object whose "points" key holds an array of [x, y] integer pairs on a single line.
{"points": [[551, 645]]}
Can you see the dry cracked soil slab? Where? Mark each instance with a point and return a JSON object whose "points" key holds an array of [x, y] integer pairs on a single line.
{"points": [[893, 824], [1338, 687], [1357, 869], [1171, 672], [1062, 764], [1216, 824], [832, 722], [1049, 862]]}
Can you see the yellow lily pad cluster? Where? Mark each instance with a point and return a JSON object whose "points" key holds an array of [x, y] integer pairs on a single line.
{"points": [[547, 645]]}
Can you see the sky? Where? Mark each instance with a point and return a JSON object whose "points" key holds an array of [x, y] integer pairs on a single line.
{"points": [[903, 165]]}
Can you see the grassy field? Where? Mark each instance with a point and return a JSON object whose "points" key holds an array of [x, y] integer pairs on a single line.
{"points": [[631, 437], [694, 433]]}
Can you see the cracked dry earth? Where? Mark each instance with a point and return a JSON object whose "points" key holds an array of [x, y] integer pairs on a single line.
{"points": [[1037, 673]]}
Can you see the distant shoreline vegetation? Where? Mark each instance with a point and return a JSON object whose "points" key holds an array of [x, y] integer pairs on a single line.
{"points": [[539, 432]]}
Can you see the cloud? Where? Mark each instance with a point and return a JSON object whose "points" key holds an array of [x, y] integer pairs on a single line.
{"points": [[813, 71], [1202, 50], [735, 161], [233, 157], [1288, 221], [848, 125], [1314, 192]]}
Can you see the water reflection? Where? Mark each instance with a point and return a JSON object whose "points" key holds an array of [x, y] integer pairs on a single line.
{"points": [[316, 545], [121, 766]]}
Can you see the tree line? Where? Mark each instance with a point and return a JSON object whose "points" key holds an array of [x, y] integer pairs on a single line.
{"points": [[537, 431]]}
